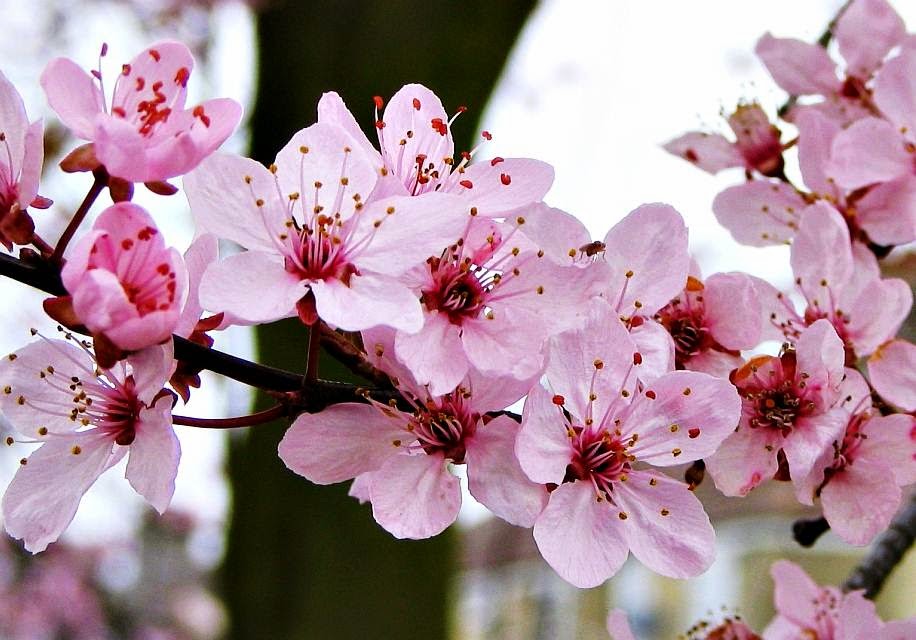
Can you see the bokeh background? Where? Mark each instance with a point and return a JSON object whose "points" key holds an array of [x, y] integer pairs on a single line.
{"points": [[251, 551]]}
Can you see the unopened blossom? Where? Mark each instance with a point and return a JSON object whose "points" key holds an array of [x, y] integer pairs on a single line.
{"points": [[866, 32], [840, 282], [586, 434], [315, 248], [124, 282], [87, 419], [756, 147], [806, 610], [892, 372], [418, 156], [21, 156], [146, 134], [791, 404], [401, 459]]}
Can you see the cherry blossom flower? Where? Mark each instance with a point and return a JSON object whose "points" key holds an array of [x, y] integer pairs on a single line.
{"points": [[806, 610], [418, 156], [87, 419], [756, 147], [402, 458], [20, 167], [730, 628], [314, 247], [791, 404], [125, 284], [892, 371], [146, 135], [586, 436]]}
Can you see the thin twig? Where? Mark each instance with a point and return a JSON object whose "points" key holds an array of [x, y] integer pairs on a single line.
{"points": [[261, 417], [97, 185]]}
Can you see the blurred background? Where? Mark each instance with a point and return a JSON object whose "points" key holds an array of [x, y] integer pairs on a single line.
{"points": [[251, 551]]}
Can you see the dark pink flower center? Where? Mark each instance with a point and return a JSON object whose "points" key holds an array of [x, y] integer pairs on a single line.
{"points": [[443, 428], [777, 400], [456, 289], [598, 458], [317, 253]]}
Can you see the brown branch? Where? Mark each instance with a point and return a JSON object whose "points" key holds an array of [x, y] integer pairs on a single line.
{"points": [[886, 553], [351, 356]]}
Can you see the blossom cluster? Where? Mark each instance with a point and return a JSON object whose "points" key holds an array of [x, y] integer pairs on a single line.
{"points": [[466, 293]]}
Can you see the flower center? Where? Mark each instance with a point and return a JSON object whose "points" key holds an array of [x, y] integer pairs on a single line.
{"points": [[317, 253], [598, 458], [456, 289], [444, 428]]}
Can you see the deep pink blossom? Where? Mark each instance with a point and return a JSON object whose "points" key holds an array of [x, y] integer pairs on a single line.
{"points": [[586, 436], [88, 420], [418, 156], [146, 135], [125, 283], [892, 372], [314, 247]]}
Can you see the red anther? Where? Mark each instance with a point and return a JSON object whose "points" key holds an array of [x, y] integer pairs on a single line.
{"points": [[379, 124], [461, 109], [467, 184], [421, 179], [155, 55], [650, 394], [505, 178], [691, 156], [559, 400], [198, 112], [636, 321], [118, 111], [693, 433], [487, 135], [495, 161], [125, 69], [421, 158], [95, 74], [416, 104], [157, 86], [181, 77], [163, 269], [379, 102], [439, 126], [140, 83], [465, 155], [637, 358], [104, 51], [126, 244]]}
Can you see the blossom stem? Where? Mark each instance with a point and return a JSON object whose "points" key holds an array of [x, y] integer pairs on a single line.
{"points": [[43, 247], [78, 217], [311, 370], [252, 420]]}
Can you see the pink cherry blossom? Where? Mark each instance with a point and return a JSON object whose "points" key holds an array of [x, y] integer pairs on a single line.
{"points": [[401, 459], [146, 135], [806, 610], [792, 403], [314, 246], [756, 147], [892, 371], [20, 167], [418, 156], [87, 420], [125, 283], [586, 436], [730, 628]]}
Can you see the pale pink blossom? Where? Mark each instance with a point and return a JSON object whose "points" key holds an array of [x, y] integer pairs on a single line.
{"points": [[805, 609], [759, 213], [729, 628], [418, 156], [87, 420], [21, 157], [147, 134], [587, 436], [892, 372], [315, 248], [125, 283], [792, 403]]}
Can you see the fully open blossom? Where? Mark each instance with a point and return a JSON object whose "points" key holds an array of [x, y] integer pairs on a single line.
{"points": [[402, 458], [756, 147], [314, 247], [418, 156], [791, 404], [125, 283], [146, 135], [87, 420], [588, 433], [21, 156], [805, 610], [892, 372]]}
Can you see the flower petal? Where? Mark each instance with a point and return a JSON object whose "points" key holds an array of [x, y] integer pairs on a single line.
{"points": [[543, 447], [253, 286], [892, 371], [154, 455], [710, 152], [759, 213], [74, 96]]}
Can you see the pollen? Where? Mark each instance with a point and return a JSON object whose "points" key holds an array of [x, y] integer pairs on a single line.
{"points": [[7, 389], [629, 274], [650, 394], [559, 400], [622, 515], [396, 443], [23, 461], [673, 428], [389, 211], [20, 400], [652, 482], [598, 364], [42, 431], [540, 290], [9, 441], [259, 202], [686, 391], [664, 512], [675, 452], [76, 450], [693, 433]]}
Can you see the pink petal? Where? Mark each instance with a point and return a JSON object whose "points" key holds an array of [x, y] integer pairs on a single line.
{"points": [[654, 344], [252, 285], [617, 626], [150, 369], [369, 300], [795, 594], [869, 151], [866, 32], [154, 455], [860, 501], [744, 460], [542, 446], [689, 417], [581, 537], [342, 442], [402, 116], [759, 213], [15, 125], [710, 152], [798, 67], [31, 163], [505, 187], [891, 442], [493, 393], [74, 96], [434, 355], [895, 91], [666, 527], [359, 488], [815, 137], [415, 497], [714, 362], [507, 344], [164, 65], [805, 444], [821, 253], [877, 314], [857, 619], [559, 234], [333, 111], [495, 478], [820, 355], [733, 310], [898, 630], [45, 493], [887, 212], [892, 371], [200, 255], [651, 242]]}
